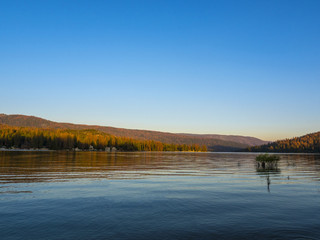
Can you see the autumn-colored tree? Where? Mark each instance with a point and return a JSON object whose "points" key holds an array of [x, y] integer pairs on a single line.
{"points": [[309, 143], [64, 139]]}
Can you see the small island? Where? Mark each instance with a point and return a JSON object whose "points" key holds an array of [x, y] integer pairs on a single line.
{"points": [[267, 161]]}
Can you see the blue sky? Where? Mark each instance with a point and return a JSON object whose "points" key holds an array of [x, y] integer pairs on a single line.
{"points": [[227, 67]]}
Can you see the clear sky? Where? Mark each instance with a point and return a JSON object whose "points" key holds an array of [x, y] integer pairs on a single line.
{"points": [[227, 67]]}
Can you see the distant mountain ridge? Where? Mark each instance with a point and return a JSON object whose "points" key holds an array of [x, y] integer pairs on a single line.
{"points": [[214, 142], [251, 141]]}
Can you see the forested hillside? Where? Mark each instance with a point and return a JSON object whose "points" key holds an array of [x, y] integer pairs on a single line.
{"points": [[309, 143], [65, 139], [214, 142]]}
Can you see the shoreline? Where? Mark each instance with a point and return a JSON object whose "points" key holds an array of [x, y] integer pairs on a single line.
{"points": [[49, 150], [25, 150], [66, 150]]}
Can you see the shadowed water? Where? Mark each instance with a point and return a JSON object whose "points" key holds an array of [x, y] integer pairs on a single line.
{"points": [[95, 195]]}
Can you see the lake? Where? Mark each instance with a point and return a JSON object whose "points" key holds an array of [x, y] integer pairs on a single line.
{"points": [[96, 195]]}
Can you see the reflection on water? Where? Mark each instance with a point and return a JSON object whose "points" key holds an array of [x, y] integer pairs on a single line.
{"points": [[54, 166], [22, 167], [266, 169], [96, 195]]}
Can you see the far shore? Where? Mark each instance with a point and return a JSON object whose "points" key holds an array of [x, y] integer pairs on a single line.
{"points": [[78, 150], [67, 150], [25, 150]]}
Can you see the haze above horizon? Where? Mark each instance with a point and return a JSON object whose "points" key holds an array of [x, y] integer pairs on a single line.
{"points": [[207, 67]]}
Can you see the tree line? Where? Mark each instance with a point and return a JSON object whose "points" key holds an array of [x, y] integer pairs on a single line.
{"points": [[309, 143], [66, 139]]}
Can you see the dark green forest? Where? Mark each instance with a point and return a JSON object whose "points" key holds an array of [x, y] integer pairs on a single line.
{"points": [[66, 139], [309, 143]]}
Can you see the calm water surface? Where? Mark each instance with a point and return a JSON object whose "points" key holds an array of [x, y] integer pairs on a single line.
{"points": [[60, 195]]}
